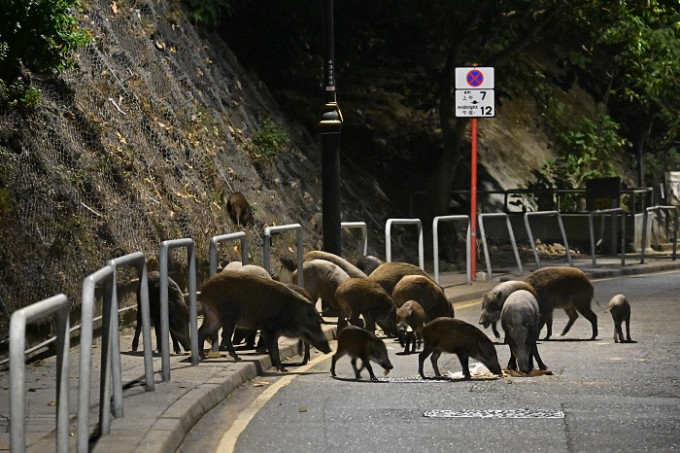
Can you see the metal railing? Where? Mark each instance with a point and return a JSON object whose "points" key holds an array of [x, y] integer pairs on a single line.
{"points": [[388, 238], [187, 243], [267, 244], [511, 235], [364, 232], [675, 228], [435, 243], [17, 332], [216, 240], [531, 236], [614, 212]]}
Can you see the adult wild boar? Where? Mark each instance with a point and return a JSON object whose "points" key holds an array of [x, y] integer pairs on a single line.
{"points": [[345, 265], [232, 299], [322, 279], [389, 274], [493, 300], [364, 297], [457, 337], [361, 344], [520, 320], [619, 307], [563, 287], [178, 314], [410, 322], [428, 294], [368, 263]]}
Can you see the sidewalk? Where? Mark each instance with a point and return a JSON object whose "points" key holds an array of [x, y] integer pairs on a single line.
{"points": [[157, 421]]}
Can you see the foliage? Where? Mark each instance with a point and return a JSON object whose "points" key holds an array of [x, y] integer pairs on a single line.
{"points": [[35, 36], [208, 12], [587, 154], [269, 140]]}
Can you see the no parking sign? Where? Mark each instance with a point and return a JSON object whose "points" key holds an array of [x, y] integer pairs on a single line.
{"points": [[474, 92]]}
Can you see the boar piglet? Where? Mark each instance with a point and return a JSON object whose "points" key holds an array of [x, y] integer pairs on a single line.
{"points": [[232, 299], [620, 310], [361, 344], [178, 314], [457, 337], [520, 320], [428, 294], [410, 322], [493, 300]]}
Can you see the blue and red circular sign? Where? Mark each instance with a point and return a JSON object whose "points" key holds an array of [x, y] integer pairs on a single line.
{"points": [[475, 78]]}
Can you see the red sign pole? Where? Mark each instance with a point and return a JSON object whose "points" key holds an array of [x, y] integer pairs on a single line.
{"points": [[473, 203]]}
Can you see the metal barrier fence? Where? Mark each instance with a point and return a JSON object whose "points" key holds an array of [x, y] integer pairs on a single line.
{"points": [[267, 243], [59, 306], [364, 231], [511, 235], [675, 228], [531, 236], [614, 212], [435, 243], [388, 238], [187, 243], [216, 240]]}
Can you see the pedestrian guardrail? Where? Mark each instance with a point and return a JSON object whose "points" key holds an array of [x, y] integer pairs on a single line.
{"points": [[388, 238], [614, 212], [216, 240], [527, 225], [364, 232], [669, 209], [511, 235], [435, 242], [267, 244], [17, 332], [166, 246]]}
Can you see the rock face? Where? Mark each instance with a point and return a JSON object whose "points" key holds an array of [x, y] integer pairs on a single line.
{"points": [[143, 142]]}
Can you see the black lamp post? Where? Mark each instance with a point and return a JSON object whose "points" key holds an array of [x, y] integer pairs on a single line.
{"points": [[329, 127]]}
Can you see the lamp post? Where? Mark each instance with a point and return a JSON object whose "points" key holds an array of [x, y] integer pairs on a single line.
{"points": [[329, 128]]}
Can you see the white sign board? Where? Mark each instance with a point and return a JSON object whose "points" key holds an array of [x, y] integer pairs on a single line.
{"points": [[474, 78], [475, 103]]}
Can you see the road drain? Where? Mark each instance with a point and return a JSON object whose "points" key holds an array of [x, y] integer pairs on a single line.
{"points": [[489, 413], [411, 380]]}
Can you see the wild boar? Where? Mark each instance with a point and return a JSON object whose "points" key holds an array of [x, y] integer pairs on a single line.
{"points": [[345, 265], [428, 294], [619, 307], [410, 322], [322, 279], [520, 320], [368, 263], [232, 299], [457, 337], [389, 274], [239, 210], [493, 300], [563, 287], [364, 297], [361, 344], [178, 314]]}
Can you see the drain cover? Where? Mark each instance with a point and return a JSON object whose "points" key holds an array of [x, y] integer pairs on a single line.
{"points": [[410, 380], [490, 413]]}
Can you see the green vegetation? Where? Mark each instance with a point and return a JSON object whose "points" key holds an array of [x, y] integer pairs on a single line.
{"points": [[35, 36], [269, 141], [208, 12]]}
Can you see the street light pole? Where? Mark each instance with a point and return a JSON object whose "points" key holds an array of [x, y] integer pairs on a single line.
{"points": [[329, 127]]}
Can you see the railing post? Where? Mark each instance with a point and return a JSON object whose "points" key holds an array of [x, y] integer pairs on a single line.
{"points": [[216, 240], [435, 243], [388, 238], [362, 227], [267, 242]]}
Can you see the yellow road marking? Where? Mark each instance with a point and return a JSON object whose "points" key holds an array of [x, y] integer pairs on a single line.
{"points": [[228, 441]]}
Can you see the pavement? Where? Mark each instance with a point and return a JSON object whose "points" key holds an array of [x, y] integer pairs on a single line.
{"points": [[157, 421]]}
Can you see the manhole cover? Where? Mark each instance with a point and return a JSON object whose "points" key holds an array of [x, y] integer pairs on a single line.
{"points": [[490, 413]]}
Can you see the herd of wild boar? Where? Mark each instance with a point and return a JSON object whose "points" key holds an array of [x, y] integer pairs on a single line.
{"points": [[399, 298]]}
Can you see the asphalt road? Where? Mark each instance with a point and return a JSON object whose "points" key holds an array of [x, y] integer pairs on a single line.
{"points": [[601, 397]]}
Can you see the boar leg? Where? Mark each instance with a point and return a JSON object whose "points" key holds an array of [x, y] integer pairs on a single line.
{"points": [[272, 342], [463, 358], [571, 312], [628, 329], [590, 315], [138, 330], [303, 345], [209, 328], [338, 354], [546, 320], [370, 370], [433, 360], [421, 359], [357, 371], [175, 344], [495, 330], [534, 351]]}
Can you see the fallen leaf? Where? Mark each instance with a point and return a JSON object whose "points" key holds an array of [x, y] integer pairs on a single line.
{"points": [[260, 384], [52, 403], [302, 409]]}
